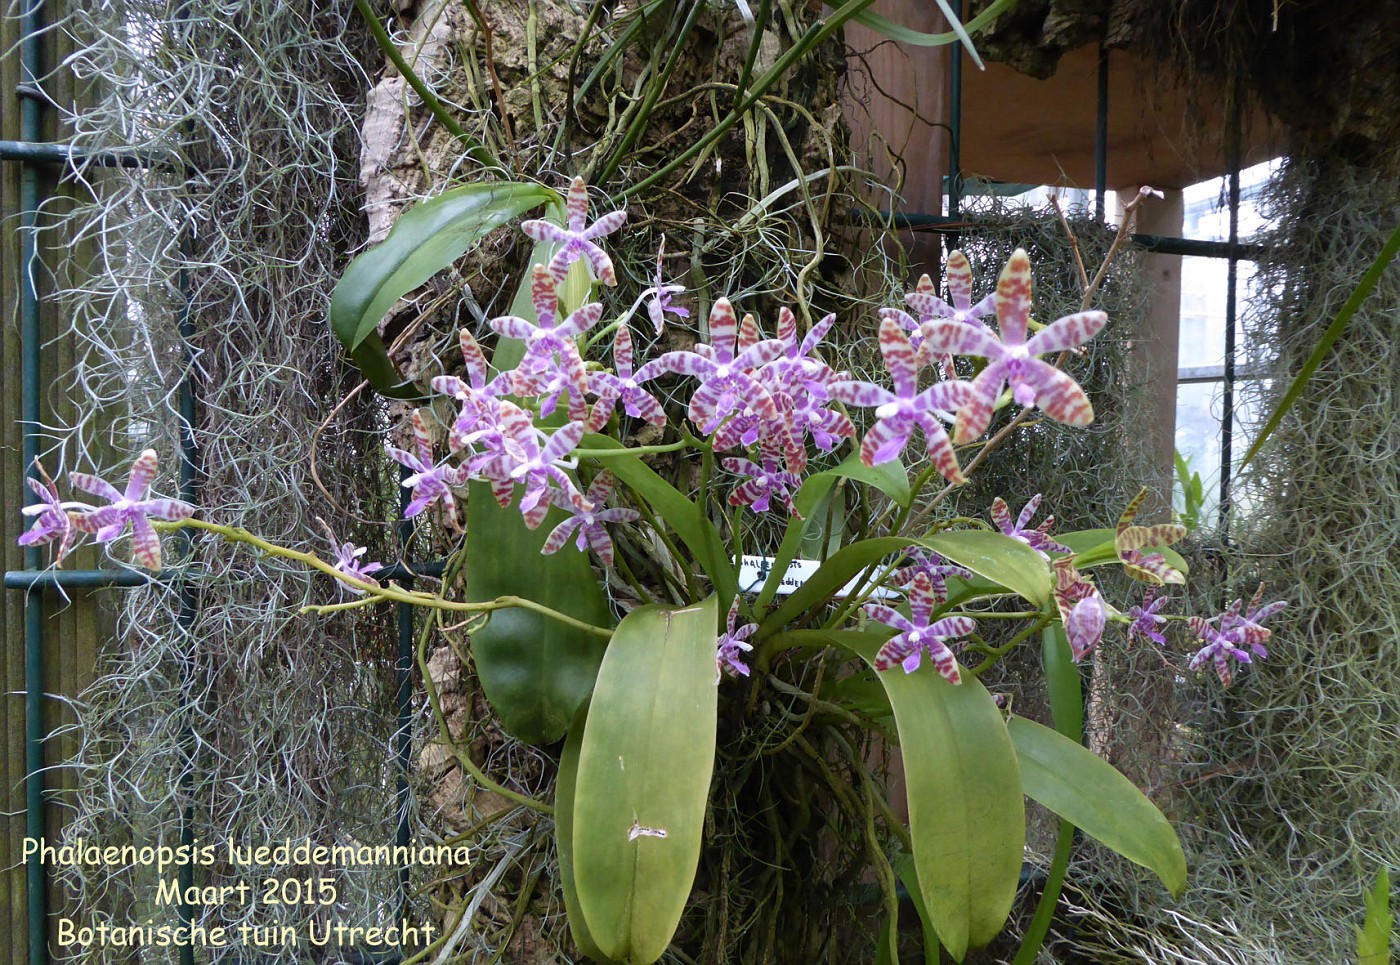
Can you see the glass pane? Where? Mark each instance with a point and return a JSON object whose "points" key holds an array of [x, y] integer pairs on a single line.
{"points": [[1207, 215], [1199, 408]]}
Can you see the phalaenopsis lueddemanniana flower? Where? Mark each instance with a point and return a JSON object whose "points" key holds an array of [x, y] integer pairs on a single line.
{"points": [[347, 561], [586, 520], [518, 457], [55, 517], [935, 568], [731, 646], [907, 647], [431, 481], [1235, 631], [762, 483], [129, 508], [1037, 538], [620, 385], [1013, 360], [552, 364], [1145, 619], [899, 413], [479, 415], [1083, 611], [578, 239]]}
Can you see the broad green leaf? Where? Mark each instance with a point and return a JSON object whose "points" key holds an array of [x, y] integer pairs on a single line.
{"points": [[1006, 561], [966, 815], [564, 787], [678, 512], [1063, 681], [536, 671], [426, 239], [1094, 547], [1373, 937], [1087, 791], [888, 477], [644, 778], [1334, 331]]}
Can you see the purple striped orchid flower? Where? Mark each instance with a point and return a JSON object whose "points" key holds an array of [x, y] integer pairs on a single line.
{"points": [[935, 568], [586, 524], [621, 387], [347, 561], [1082, 610], [731, 645], [55, 517], [1145, 620], [726, 387], [1038, 538], [899, 412], [578, 238], [129, 508], [958, 276], [1236, 632], [658, 297], [431, 482], [520, 458], [915, 636], [762, 483], [479, 397], [552, 363], [1015, 361]]}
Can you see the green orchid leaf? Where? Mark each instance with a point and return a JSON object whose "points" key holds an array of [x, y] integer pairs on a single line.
{"points": [[888, 477], [536, 671], [966, 813], [1007, 562], [426, 239], [1087, 791], [644, 778], [564, 788]]}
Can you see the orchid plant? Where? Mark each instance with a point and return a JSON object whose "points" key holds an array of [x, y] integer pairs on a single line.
{"points": [[544, 433]]}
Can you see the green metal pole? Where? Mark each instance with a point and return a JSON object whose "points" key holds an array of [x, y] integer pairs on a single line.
{"points": [[31, 25]]}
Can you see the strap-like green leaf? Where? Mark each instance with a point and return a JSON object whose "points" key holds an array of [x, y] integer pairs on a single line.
{"points": [[1006, 561], [426, 239], [918, 38], [564, 788], [644, 778], [536, 672], [1087, 791], [966, 813]]}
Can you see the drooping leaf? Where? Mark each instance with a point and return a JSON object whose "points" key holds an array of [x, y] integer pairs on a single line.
{"points": [[1373, 937], [966, 814], [426, 239], [564, 788], [1087, 791], [644, 778], [917, 38], [536, 671]]}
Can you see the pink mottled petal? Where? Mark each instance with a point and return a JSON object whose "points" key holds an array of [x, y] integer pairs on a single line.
{"points": [[899, 358], [563, 442], [787, 325], [560, 535], [759, 355], [940, 451], [976, 414], [1066, 333], [450, 385], [605, 225], [1085, 626], [143, 473], [1028, 511], [889, 617], [171, 509], [601, 543], [1060, 397], [94, 485], [423, 441], [601, 263], [535, 514], [885, 441], [145, 544], [577, 204], [473, 359], [944, 662], [647, 408], [724, 327], [545, 231], [959, 278], [867, 395], [921, 601], [928, 306], [894, 652], [503, 490], [512, 326], [1013, 298], [581, 320], [950, 627], [944, 336], [544, 295], [622, 351], [818, 332]]}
